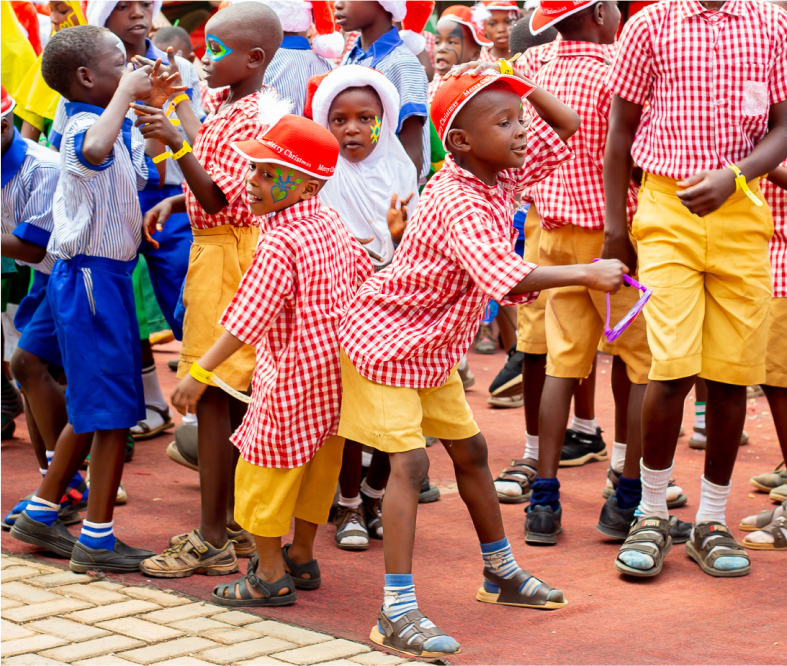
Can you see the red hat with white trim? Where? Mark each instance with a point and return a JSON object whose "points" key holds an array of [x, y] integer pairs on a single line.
{"points": [[7, 104], [457, 91], [296, 142], [483, 10], [464, 16], [550, 12]]}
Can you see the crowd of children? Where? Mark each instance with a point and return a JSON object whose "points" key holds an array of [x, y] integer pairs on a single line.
{"points": [[326, 220]]}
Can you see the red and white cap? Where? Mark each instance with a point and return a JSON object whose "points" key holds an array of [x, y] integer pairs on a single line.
{"points": [[457, 91], [550, 12], [483, 10], [295, 142], [7, 105], [464, 16], [413, 15]]}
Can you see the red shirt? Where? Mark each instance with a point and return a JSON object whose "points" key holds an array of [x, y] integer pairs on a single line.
{"points": [[709, 78], [412, 322], [304, 276], [236, 122], [777, 200], [575, 72]]}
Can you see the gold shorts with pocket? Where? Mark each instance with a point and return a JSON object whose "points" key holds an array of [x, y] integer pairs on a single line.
{"points": [[218, 259], [531, 337], [711, 281], [268, 498], [575, 315], [396, 419], [776, 356]]}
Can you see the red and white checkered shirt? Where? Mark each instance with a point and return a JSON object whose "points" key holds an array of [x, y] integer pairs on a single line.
{"points": [[486, 56], [575, 72], [412, 322], [709, 78], [777, 200], [236, 122], [289, 303]]}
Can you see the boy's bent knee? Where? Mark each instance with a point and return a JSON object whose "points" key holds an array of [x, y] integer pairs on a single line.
{"points": [[411, 465], [27, 367], [471, 452]]}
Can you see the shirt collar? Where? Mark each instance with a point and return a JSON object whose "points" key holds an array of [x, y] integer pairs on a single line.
{"points": [[377, 51], [295, 43], [297, 211], [72, 108], [689, 8], [153, 52], [566, 49], [468, 178], [13, 158]]}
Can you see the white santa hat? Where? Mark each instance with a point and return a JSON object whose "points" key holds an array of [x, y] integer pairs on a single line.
{"points": [[98, 11], [413, 15]]}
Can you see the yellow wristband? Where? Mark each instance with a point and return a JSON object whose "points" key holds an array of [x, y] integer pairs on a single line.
{"points": [[175, 156], [200, 374], [505, 67], [183, 97], [741, 184]]}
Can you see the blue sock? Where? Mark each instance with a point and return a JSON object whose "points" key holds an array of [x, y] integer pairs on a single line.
{"points": [[629, 493], [546, 492], [42, 511], [499, 559], [98, 536]]}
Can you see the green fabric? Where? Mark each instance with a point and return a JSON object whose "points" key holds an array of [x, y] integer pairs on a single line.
{"points": [[149, 315], [9, 267], [16, 282], [438, 152]]}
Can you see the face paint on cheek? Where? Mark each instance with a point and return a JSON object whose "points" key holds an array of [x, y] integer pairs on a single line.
{"points": [[376, 130], [281, 185]]}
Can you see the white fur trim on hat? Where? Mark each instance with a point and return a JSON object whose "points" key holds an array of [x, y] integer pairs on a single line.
{"points": [[271, 107], [396, 8], [98, 11], [413, 41], [480, 14], [295, 15], [328, 46]]}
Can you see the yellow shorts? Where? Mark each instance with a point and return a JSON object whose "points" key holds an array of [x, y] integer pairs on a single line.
{"points": [[711, 281], [531, 337], [396, 419], [776, 356], [268, 498], [575, 315], [219, 257]]}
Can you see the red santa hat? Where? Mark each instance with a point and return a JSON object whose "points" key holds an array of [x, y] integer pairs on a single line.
{"points": [[299, 15], [413, 15], [457, 91], [98, 11], [483, 10], [464, 16], [7, 103], [550, 12]]}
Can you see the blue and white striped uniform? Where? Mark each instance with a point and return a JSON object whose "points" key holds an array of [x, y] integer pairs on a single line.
{"points": [[390, 56], [292, 66], [29, 175]]}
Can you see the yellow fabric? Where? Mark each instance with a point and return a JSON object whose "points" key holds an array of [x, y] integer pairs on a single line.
{"points": [[268, 498], [218, 259], [17, 56], [575, 315], [776, 356], [711, 282], [396, 419], [531, 337]]}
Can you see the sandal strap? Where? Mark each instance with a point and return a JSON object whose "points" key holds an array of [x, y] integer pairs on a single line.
{"points": [[516, 471], [297, 570], [777, 529], [409, 626], [723, 544], [764, 518], [509, 588], [266, 589]]}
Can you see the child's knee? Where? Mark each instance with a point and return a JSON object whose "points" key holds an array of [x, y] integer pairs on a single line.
{"points": [[26, 367], [412, 466], [473, 453]]}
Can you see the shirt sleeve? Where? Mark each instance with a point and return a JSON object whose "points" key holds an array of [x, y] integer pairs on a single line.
{"points": [[37, 224], [410, 80], [489, 258], [228, 169], [364, 267], [144, 168], [262, 293], [545, 152], [58, 124], [630, 74], [75, 161]]}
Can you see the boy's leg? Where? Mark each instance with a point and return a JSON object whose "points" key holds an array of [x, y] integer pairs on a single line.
{"points": [[373, 491], [351, 530]]}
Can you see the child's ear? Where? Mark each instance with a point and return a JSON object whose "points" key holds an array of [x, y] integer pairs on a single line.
{"points": [[311, 189], [84, 77], [256, 58], [457, 141]]}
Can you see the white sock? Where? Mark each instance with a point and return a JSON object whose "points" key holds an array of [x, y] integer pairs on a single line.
{"points": [[713, 501], [531, 446], [351, 502], [699, 415], [367, 490], [189, 419], [49, 456], [153, 394], [654, 491], [42, 470], [618, 456], [587, 426]]}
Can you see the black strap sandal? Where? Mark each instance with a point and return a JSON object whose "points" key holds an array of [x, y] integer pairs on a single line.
{"points": [[406, 634], [650, 536], [224, 595], [725, 546], [544, 596], [295, 570], [519, 473]]}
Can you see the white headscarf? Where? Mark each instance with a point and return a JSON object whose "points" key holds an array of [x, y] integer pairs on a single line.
{"points": [[98, 11], [361, 192]]}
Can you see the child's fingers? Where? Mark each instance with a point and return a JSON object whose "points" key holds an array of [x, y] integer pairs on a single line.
{"points": [[407, 200], [393, 200]]}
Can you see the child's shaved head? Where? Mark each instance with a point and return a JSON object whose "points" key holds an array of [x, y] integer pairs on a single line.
{"points": [[251, 24], [68, 50]]}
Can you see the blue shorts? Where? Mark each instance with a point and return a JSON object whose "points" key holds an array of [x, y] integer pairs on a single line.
{"points": [[519, 225], [92, 299], [39, 336], [168, 264], [29, 304]]}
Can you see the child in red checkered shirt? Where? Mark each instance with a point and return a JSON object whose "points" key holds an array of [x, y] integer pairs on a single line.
{"points": [[240, 42], [411, 324], [305, 273]]}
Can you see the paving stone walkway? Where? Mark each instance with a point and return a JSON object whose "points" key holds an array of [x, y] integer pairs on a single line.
{"points": [[52, 617]]}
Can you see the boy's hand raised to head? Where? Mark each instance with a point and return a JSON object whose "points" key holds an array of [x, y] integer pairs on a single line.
{"points": [[605, 275], [154, 124], [136, 84], [187, 394]]}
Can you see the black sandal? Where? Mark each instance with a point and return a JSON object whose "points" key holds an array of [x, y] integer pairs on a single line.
{"points": [[295, 570], [270, 592], [509, 594], [656, 544]]}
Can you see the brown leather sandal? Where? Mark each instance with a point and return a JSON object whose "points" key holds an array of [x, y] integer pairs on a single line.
{"points": [[406, 634], [650, 536], [519, 473], [536, 594], [224, 595], [724, 544], [777, 529]]}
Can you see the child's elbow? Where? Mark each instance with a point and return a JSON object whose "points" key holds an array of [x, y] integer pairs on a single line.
{"points": [[573, 121]]}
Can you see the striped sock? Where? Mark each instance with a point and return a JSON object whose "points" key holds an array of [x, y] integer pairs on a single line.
{"points": [[699, 414], [49, 456], [98, 536], [499, 559], [42, 511]]}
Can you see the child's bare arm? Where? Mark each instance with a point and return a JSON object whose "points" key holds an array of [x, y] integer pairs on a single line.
{"points": [[22, 250], [411, 137], [601, 275], [101, 136], [779, 177]]}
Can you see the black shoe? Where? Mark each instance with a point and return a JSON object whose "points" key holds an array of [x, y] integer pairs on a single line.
{"points": [[679, 531], [173, 365], [580, 448], [428, 493], [55, 538], [509, 379], [184, 449], [615, 522], [122, 559], [542, 525]]}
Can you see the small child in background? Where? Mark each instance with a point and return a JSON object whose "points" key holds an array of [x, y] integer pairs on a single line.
{"points": [[304, 276], [495, 18], [177, 38], [360, 107]]}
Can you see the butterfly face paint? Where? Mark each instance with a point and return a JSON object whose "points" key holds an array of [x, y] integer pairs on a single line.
{"points": [[279, 191], [376, 130], [215, 48]]}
